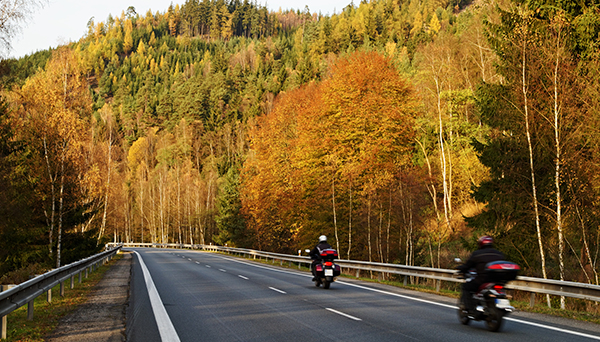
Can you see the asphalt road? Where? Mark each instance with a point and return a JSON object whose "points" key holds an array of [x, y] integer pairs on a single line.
{"points": [[179, 295]]}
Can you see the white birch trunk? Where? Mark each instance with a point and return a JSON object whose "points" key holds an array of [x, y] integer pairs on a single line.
{"points": [[531, 161], [335, 227], [558, 159]]}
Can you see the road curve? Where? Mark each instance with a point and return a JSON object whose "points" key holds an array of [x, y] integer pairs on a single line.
{"points": [[199, 296]]}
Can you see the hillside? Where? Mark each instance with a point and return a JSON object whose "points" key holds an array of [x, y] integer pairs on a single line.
{"points": [[401, 129]]}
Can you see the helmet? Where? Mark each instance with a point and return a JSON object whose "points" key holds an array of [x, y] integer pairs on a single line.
{"points": [[322, 238], [485, 241]]}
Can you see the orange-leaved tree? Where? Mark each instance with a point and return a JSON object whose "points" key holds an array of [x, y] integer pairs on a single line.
{"points": [[329, 152], [367, 128], [270, 190]]}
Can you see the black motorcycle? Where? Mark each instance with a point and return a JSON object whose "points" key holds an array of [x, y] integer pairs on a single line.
{"points": [[326, 271], [491, 303]]}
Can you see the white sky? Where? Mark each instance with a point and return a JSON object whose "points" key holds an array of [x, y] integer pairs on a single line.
{"points": [[62, 21]]}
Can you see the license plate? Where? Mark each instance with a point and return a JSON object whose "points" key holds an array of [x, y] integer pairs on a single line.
{"points": [[502, 303], [328, 272]]}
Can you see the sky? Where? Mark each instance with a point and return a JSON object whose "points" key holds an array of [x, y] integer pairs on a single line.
{"points": [[63, 21]]}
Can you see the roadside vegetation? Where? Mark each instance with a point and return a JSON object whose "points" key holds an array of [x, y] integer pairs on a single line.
{"points": [[47, 315]]}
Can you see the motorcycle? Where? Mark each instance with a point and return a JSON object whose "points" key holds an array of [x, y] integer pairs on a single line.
{"points": [[491, 303], [326, 272]]}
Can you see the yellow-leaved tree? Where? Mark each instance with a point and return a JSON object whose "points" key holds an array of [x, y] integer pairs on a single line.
{"points": [[52, 108]]}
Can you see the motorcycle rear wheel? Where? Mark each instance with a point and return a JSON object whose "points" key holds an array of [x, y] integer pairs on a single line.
{"points": [[326, 284], [494, 318], [463, 313]]}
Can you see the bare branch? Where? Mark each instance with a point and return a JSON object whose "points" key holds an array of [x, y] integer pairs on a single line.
{"points": [[14, 14]]}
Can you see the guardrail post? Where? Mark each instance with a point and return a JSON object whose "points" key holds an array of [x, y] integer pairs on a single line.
{"points": [[438, 284], [62, 288], [532, 299], [405, 280], [86, 272], [72, 281], [80, 276], [49, 296], [3, 320], [30, 310]]}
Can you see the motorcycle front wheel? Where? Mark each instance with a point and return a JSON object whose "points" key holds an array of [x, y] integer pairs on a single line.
{"points": [[494, 319]]}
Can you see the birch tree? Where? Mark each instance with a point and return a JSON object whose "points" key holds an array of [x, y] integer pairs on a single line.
{"points": [[14, 14], [55, 102]]}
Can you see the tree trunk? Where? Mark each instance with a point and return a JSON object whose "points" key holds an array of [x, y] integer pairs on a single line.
{"points": [[350, 222], [60, 207], [179, 203], [108, 171], [369, 228], [389, 226], [443, 161], [335, 227], [52, 179], [531, 161], [142, 209], [558, 160]]}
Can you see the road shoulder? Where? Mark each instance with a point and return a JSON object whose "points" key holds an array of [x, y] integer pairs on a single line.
{"points": [[102, 317]]}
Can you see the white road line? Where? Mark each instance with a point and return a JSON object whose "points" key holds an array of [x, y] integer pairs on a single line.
{"points": [[398, 295], [543, 326], [189, 259], [241, 276], [516, 320], [208, 266], [277, 290], [554, 328], [165, 326], [343, 314], [198, 262], [222, 270]]}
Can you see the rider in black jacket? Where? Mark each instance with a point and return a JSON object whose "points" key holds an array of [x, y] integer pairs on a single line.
{"points": [[315, 253], [485, 254]]}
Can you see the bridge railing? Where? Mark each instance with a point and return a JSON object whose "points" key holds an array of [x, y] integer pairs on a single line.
{"points": [[13, 297], [528, 284]]}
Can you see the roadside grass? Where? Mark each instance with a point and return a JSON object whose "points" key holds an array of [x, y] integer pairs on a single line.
{"points": [[580, 310], [46, 315]]}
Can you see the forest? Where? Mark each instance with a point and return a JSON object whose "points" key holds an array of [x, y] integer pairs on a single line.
{"points": [[401, 129]]}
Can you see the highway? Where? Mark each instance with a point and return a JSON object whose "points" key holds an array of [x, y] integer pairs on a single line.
{"points": [[180, 295]]}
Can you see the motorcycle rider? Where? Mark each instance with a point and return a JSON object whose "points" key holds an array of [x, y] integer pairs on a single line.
{"points": [[315, 254], [484, 254]]}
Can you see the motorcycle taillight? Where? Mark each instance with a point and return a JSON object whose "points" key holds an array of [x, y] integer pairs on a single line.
{"points": [[328, 263], [498, 287]]}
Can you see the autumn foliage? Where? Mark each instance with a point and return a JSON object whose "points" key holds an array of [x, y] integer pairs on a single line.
{"points": [[321, 142], [403, 130]]}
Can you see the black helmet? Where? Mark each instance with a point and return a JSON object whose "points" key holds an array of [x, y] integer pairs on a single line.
{"points": [[485, 241]]}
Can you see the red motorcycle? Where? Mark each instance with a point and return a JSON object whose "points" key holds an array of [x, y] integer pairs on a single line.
{"points": [[326, 272], [491, 301]]}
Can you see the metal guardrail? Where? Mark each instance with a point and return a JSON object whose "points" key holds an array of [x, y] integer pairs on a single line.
{"points": [[27, 292], [528, 284]]}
